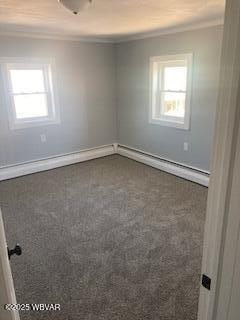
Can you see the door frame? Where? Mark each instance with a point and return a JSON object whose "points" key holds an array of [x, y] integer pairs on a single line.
{"points": [[7, 294], [229, 268], [222, 169]]}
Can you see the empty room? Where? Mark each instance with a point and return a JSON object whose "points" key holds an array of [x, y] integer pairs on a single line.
{"points": [[112, 118]]}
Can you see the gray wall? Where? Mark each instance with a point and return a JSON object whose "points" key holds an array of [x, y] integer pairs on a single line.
{"points": [[86, 88], [133, 96], [87, 91]]}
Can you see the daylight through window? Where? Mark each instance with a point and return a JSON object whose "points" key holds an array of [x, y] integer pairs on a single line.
{"points": [[30, 94], [171, 89]]}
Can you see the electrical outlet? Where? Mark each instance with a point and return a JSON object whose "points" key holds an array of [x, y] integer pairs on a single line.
{"points": [[43, 138], [185, 146]]}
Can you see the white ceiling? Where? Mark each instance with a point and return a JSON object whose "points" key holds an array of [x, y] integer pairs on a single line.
{"points": [[108, 19]]}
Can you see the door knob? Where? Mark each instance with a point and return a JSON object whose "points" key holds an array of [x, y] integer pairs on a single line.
{"points": [[17, 250]]}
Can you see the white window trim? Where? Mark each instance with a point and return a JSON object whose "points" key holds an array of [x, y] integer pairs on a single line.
{"points": [[173, 122], [52, 97]]}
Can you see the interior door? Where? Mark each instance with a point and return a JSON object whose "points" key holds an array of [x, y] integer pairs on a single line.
{"points": [[228, 302], [7, 292], [222, 174]]}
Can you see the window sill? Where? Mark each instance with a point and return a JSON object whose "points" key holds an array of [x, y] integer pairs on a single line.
{"points": [[171, 124], [33, 123]]}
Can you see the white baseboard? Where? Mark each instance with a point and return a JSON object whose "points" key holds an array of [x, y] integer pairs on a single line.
{"points": [[167, 166], [22, 169], [179, 170]]}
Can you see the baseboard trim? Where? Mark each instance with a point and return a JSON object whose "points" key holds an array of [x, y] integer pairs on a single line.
{"points": [[167, 166], [55, 162], [176, 169]]}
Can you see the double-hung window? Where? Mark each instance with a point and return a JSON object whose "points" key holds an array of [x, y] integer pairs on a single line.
{"points": [[171, 78], [31, 98]]}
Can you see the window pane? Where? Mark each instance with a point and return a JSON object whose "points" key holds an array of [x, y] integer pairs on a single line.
{"points": [[173, 104], [30, 106], [27, 81], [175, 78]]}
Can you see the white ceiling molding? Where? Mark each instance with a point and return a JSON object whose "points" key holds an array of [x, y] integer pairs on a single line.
{"points": [[50, 36], [133, 37], [161, 32], [107, 20]]}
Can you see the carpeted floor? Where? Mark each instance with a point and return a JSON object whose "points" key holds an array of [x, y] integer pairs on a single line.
{"points": [[108, 239]]}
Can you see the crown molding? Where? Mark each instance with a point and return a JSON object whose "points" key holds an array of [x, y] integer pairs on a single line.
{"points": [[166, 31], [49, 36], [127, 38]]}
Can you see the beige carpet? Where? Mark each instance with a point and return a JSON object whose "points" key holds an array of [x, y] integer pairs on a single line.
{"points": [[108, 239]]}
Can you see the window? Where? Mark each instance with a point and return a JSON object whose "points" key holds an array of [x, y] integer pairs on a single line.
{"points": [[30, 95], [171, 90]]}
